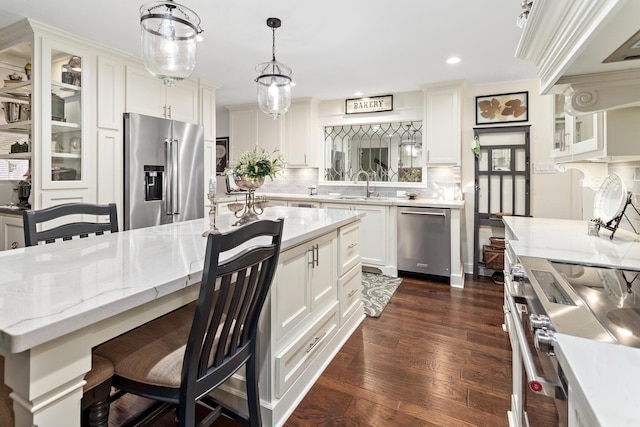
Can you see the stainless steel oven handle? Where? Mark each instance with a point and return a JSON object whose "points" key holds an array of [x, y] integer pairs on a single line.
{"points": [[536, 383]]}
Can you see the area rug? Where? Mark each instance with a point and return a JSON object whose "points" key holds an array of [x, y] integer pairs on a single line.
{"points": [[377, 290]]}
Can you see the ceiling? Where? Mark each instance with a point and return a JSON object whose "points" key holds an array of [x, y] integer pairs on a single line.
{"points": [[335, 47]]}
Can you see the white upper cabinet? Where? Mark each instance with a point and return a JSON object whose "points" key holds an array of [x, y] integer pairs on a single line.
{"points": [[442, 118], [292, 134], [301, 133], [208, 109], [573, 134], [269, 131], [110, 91], [242, 131], [604, 136], [148, 95]]}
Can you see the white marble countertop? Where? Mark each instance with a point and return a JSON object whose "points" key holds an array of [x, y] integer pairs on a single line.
{"points": [[48, 291], [607, 375], [567, 240], [356, 200]]}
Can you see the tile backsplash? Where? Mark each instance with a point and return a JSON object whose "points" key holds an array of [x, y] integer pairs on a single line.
{"points": [[630, 173], [443, 182]]}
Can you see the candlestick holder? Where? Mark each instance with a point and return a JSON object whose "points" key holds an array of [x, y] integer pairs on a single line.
{"points": [[212, 216]]}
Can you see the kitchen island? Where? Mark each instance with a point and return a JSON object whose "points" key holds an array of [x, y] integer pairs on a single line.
{"points": [[59, 301], [602, 377], [379, 244]]}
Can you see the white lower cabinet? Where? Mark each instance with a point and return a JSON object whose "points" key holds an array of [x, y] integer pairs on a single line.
{"points": [[350, 291], [11, 232], [296, 357], [306, 278], [277, 202], [311, 311], [349, 248], [375, 235]]}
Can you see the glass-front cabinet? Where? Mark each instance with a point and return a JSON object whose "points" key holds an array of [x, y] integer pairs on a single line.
{"points": [[561, 131], [15, 98], [572, 134], [47, 117], [63, 142]]}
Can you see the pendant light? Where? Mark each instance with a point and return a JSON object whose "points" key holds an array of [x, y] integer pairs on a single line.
{"points": [[169, 35], [274, 81]]}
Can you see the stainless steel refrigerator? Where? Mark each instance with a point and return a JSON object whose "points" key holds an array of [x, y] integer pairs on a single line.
{"points": [[163, 171]]}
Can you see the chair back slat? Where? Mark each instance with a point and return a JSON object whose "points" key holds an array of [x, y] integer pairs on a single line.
{"points": [[224, 332], [68, 231]]}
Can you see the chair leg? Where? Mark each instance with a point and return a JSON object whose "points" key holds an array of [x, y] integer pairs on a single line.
{"points": [[95, 406], [187, 414], [253, 395], [98, 414]]}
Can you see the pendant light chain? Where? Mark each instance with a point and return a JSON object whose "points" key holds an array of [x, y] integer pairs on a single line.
{"points": [[273, 46]]}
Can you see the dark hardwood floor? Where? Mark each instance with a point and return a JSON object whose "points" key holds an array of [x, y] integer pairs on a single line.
{"points": [[436, 357]]}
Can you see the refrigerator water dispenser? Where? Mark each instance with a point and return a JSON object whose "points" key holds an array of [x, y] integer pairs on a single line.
{"points": [[153, 182]]}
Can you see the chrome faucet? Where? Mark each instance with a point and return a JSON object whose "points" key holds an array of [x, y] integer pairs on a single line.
{"points": [[366, 174]]}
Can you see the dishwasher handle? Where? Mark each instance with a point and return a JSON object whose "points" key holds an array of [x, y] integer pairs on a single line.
{"points": [[422, 213]]}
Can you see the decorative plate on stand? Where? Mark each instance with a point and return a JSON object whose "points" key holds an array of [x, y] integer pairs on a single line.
{"points": [[610, 198]]}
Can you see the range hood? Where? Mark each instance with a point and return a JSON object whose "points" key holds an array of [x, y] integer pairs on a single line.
{"points": [[588, 50], [629, 51]]}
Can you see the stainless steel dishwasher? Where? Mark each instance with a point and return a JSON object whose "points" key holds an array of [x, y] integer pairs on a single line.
{"points": [[424, 240]]}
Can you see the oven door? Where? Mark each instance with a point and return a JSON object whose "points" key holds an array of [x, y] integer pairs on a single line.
{"points": [[535, 372]]}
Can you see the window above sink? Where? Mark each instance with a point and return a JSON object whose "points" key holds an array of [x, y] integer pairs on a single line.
{"points": [[387, 152]]}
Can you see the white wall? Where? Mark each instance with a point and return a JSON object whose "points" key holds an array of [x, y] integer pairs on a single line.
{"points": [[555, 195], [222, 130]]}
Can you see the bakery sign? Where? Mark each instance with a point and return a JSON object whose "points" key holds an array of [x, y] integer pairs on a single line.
{"points": [[372, 104]]}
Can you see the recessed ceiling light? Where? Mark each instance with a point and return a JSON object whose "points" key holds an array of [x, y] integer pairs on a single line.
{"points": [[453, 60], [358, 93]]}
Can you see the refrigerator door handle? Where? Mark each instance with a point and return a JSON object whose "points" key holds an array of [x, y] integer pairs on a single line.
{"points": [[173, 196]]}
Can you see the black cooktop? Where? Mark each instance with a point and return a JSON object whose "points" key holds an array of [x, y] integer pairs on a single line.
{"points": [[612, 295]]}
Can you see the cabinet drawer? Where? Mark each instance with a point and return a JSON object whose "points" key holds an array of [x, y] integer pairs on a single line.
{"points": [[292, 361], [348, 247], [350, 286]]}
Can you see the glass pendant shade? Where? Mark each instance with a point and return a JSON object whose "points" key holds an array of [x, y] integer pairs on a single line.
{"points": [[274, 81], [274, 88], [169, 33]]}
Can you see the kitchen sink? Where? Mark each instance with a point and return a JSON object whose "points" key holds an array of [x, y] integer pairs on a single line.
{"points": [[352, 198]]}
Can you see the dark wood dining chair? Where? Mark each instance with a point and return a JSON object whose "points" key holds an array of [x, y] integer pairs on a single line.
{"points": [[180, 358], [68, 230], [71, 222]]}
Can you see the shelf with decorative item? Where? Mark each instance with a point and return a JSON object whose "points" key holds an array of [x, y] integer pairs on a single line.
{"points": [[63, 127], [21, 127], [66, 155], [16, 156], [65, 90], [20, 91]]}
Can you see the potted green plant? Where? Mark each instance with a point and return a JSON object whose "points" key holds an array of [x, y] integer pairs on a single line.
{"points": [[253, 166]]}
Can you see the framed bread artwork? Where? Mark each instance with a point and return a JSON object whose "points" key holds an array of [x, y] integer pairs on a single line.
{"points": [[502, 108]]}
